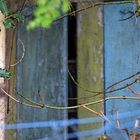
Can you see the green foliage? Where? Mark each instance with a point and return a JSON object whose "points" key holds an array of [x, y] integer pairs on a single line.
{"points": [[8, 23], [4, 73], [18, 16], [9, 20], [47, 11], [3, 8]]}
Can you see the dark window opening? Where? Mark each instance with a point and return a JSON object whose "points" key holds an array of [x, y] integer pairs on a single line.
{"points": [[72, 55], [72, 35]]}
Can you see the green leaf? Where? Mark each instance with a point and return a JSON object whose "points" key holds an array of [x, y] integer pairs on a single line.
{"points": [[8, 24], [41, 2], [48, 11], [18, 16], [66, 5], [32, 25], [3, 8], [4, 73]]}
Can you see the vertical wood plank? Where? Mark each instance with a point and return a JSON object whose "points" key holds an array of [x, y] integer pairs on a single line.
{"points": [[11, 59], [121, 60], [90, 61], [10, 117], [43, 71]]}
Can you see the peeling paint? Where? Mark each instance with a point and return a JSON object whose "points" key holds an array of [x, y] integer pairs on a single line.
{"points": [[87, 70], [94, 78], [79, 24], [101, 71], [100, 16]]}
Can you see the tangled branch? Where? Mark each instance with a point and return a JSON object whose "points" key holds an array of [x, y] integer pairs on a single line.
{"points": [[106, 90], [37, 105], [95, 4]]}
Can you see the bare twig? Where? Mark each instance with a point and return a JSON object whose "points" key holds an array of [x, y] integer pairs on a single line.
{"points": [[100, 114], [122, 80], [6, 17], [105, 91], [93, 111], [23, 54], [30, 101], [77, 84], [11, 15], [17, 101], [23, 5], [20, 60], [93, 5], [133, 91], [123, 87], [70, 107], [105, 118]]}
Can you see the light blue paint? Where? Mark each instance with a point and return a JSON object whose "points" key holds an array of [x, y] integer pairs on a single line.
{"points": [[121, 134], [92, 132], [122, 57], [57, 125]]}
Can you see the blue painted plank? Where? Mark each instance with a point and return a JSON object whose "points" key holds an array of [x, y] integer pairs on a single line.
{"points": [[122, 58], [44, 71]]}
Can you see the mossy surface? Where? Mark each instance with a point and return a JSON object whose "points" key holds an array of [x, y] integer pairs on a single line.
{"points": [[90, 62]]}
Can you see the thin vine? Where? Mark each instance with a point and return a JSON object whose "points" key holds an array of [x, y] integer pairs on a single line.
{"points": [[106, 90], [37, 105], [43, 11]]}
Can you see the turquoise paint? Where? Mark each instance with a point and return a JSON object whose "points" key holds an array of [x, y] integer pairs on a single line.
{"points": [[44, 71], [122, 58]]}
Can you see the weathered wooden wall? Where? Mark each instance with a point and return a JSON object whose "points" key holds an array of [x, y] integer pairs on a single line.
{"points": [[44, 68], [90, 61], [43, 71], [121, 60]]}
